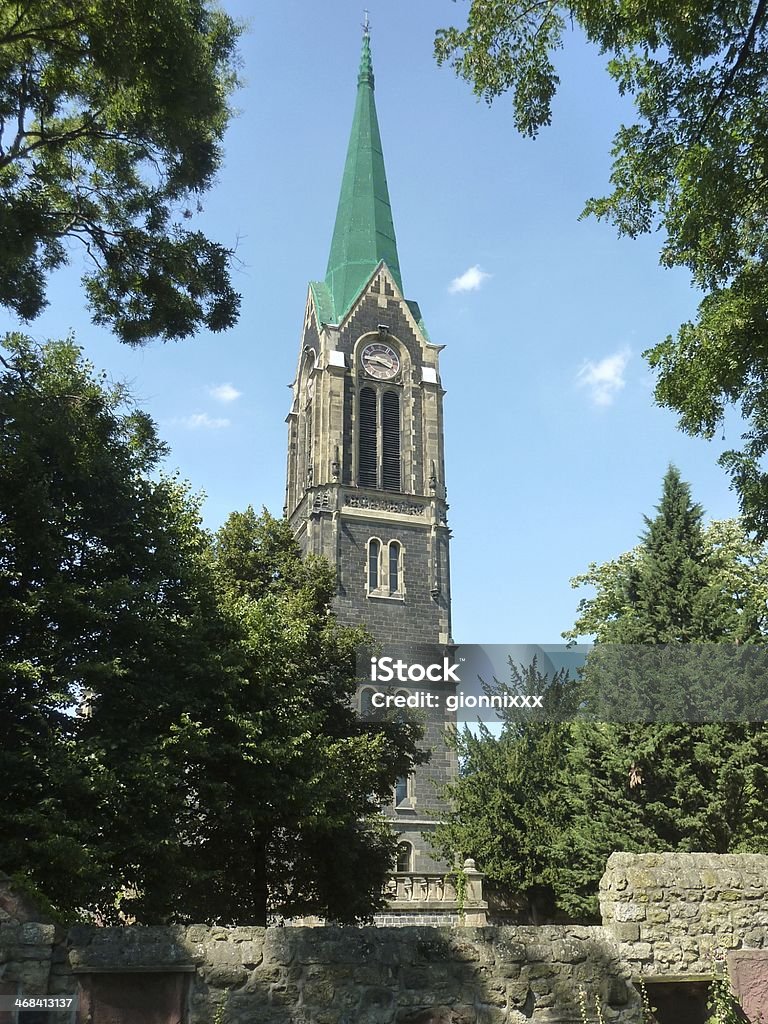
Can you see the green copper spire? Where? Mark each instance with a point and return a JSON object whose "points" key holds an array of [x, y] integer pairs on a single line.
{"points": [[364, 233]]}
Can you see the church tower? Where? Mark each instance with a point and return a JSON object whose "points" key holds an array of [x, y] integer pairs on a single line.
{"points": [[366, 479]]}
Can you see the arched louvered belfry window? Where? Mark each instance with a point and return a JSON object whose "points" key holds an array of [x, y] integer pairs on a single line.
{"points": [[374, 556], [367, 446], [390, 441], [395, 554]]}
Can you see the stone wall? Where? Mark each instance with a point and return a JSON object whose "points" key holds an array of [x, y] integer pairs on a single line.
{"points": [[674, 913], [372, 975], [26, 943], [665, 918]]}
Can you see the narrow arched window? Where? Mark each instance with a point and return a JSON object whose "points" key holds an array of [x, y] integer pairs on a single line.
{"points": [[374, 554], [395, 565], [367, 447], [309, 462], [404, 857], [390, 441], [401, 790]]}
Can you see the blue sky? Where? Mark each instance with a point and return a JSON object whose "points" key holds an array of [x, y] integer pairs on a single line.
{"points": [[554, 448]]}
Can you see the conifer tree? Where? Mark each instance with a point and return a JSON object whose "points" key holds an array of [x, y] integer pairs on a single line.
{"points": [[542, 806], [671, 593], [510, 803], [679, 785]]}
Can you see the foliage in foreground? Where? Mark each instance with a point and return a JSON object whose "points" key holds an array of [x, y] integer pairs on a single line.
{"points": [[693, 165], [543, 805], [177, 740], [112, 114]]}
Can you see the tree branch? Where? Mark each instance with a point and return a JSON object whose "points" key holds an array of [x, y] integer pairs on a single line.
{"points": [[19, 152], [746, 47], [41, 34]]}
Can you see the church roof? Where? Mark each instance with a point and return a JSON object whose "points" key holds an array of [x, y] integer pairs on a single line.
{"points": [[364, 233]]}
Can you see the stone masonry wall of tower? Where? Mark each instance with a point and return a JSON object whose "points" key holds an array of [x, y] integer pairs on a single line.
{"points": [[365, 477]]}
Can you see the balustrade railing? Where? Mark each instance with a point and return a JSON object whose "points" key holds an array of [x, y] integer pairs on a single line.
{"points": [[405, 887]]}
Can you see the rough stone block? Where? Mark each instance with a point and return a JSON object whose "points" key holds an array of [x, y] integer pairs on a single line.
{"points": [[317, 990], [279, 946], [438, 1015], [629, 912], [569, 951], [251, 953]]}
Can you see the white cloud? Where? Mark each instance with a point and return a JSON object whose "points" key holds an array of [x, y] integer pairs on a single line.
{"points": [[201, 420], [469, 281], [225, 392], [604, 379]]}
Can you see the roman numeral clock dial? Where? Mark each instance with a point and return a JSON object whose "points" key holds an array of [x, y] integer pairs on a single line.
{"points": [[380, 361]]}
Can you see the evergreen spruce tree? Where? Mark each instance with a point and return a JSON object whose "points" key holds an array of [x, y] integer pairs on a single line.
{"points": [[510, 802], [677, 785], [671, 596], [543, 806]]}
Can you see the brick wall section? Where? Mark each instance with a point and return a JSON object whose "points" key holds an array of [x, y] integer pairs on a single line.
{"points": [[672, 913]]}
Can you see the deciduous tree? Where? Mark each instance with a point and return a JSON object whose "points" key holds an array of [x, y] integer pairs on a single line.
{"points": [[100, 585], [178, 739], [693, 164], [285, 780], [112, 114]]}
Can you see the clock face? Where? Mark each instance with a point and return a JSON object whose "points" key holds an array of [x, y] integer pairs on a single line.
{"points": [[380, 361]]}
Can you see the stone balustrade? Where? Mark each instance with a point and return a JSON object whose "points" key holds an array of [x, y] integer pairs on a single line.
{"points": [[431, 898], [411, 887]]}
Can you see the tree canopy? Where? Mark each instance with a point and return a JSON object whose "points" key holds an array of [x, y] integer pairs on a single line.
{"points": [[112, 114], [178, 737], [542, 806], [685, 580], [511, 807], [693, 165]]}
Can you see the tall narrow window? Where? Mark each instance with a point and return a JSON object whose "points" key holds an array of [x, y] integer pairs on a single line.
{"points": [[390, 440], [404, 854], [308, 460], [394, 567], [367, 444], [401, 790], [374, 551]]}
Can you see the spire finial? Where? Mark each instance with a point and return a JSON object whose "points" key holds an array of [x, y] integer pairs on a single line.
{"points": [[365, 77]]}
